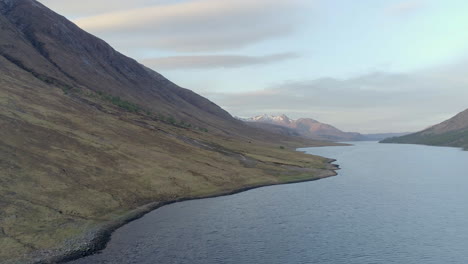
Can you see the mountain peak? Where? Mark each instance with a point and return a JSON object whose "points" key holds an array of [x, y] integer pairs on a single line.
{"points": [[265, 118], [282, 118], [7, 5]]}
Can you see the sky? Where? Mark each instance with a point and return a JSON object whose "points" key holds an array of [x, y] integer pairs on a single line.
{"points": [[361, 65]]}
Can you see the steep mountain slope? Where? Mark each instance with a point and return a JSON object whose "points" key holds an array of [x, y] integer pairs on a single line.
{"points": [[58, 52], [453, 133], [88, 135], [306, 127]]}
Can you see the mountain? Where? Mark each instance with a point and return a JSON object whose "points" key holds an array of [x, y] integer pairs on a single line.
{"points": [[305, 127], [277, 129], [452, 133], [57, 52], [310, 128], [91, 139]]}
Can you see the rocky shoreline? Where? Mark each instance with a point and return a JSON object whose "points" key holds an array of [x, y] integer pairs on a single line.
{"points": [[96, 239]]}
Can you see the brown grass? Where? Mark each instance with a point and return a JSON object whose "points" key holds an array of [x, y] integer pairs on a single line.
{"points": [[67, 166]]}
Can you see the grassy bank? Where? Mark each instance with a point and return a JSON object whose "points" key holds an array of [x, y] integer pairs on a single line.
{"points": [[73, 166], [97, 238]]}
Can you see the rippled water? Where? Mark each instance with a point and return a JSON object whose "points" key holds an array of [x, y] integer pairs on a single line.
{"points": [[390, 204]]}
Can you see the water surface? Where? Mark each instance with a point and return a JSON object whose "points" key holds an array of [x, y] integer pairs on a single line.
{"points": [[389, 204]]}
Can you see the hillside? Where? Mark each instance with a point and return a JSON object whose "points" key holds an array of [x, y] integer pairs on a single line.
{"points": [[57, 52], [89, 135], [452, 133]]}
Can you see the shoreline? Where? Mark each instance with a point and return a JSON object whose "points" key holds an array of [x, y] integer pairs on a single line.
{"points": [[96, 240]]}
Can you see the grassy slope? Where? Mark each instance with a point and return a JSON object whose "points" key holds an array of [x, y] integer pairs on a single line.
{"points": [[449, 139], [71, 163], [452, 133]]}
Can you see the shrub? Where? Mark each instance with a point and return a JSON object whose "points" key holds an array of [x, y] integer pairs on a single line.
{"points": [[171, 120], [117, 101]]}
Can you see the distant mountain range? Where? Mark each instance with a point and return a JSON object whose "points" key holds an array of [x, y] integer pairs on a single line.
{"points": [[310, 128], [453, 133]]}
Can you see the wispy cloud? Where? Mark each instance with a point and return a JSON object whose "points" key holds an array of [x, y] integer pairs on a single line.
{"points": [[202, 25], [405, 7], [84, 8], [214, 61]]}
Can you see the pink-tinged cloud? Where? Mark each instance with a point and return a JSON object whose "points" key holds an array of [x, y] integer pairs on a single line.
{"points": [[214, 61], [203, 25]]}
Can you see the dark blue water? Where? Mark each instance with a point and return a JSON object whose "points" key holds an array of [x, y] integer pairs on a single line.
{"points": [[390, 204]]}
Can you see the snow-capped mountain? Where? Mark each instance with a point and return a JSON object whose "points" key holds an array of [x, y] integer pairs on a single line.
{"points": [[310, 128], [281, 119], [305, 127]]}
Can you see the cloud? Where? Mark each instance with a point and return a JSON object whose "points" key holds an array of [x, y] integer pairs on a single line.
{"points": [[201, 25], [406, 7], [375, 102], [214, 61], [92, 7]]}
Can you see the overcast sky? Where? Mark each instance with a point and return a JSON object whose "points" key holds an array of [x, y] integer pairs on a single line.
{"points": [[361, 65]]}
